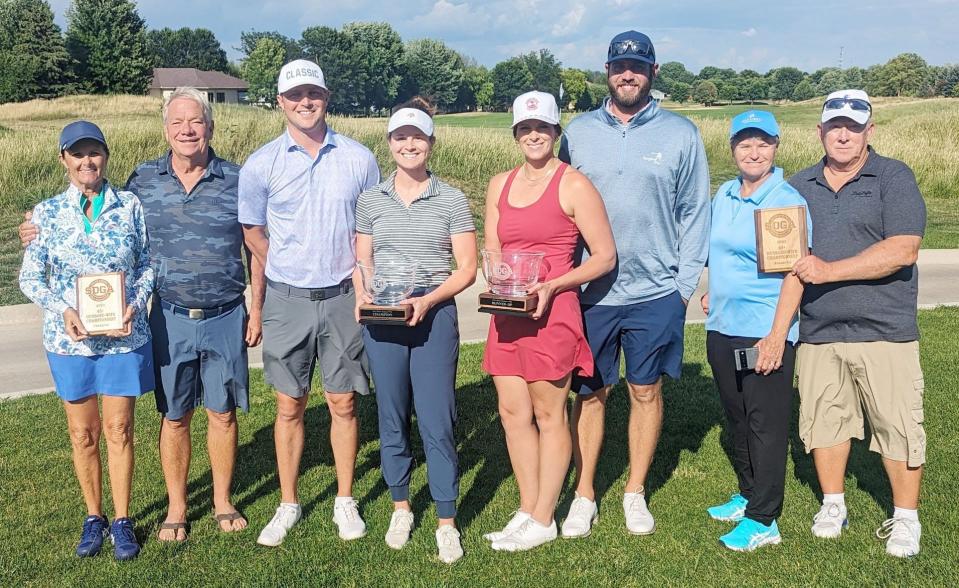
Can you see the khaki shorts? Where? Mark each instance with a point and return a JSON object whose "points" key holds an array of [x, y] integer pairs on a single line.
{"points": [[839, 382]]}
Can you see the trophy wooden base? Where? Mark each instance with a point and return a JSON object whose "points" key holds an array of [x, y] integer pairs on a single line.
{"points": [[508, 305], [379, 314]]}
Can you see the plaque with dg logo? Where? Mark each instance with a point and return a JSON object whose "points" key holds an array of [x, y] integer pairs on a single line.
{"points": [[101, 302], [781, 237]]}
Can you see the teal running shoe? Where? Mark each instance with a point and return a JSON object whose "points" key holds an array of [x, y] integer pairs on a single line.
{"points": [[750, 535], [732, 511]]}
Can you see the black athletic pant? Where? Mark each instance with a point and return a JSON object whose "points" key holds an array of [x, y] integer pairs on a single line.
{"points": [[758, 409]]}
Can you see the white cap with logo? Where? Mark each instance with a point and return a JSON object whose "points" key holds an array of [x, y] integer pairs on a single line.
{"points": [[853, 104], [412, 117], [536, 105], [299, 72]]}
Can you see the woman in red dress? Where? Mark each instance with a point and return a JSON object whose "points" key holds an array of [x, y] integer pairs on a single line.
{"points": [[541, 206]]}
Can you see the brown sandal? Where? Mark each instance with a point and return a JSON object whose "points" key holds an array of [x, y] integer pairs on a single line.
{"points": [[227, 517], [175, 527]]}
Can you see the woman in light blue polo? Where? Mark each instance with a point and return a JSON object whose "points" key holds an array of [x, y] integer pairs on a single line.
{"points": [[747, 308], [92, 228], [416, 216]]}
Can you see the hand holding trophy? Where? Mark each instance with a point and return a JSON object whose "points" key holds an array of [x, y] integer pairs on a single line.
{"points": [[510, 275], [385, 284]]}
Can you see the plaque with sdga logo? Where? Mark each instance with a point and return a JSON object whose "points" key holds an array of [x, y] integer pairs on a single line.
{"points": [[781, 237], [101, 302]]}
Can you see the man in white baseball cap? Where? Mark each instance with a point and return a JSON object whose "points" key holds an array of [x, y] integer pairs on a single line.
{"points": [[302, 188], [852, 104]]}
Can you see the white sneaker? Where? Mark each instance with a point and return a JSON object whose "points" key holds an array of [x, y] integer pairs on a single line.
{"points": [[830, 521], [346, 515], [582, 514], [401, 525], [639, 521], [901, 535], [519, 517], [530, 534], [275, 531], [448, 544]]}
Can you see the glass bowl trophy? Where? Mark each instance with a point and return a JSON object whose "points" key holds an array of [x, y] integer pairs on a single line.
{"points": [[387, 283], [510, 275]]}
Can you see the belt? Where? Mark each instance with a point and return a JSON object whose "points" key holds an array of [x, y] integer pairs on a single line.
{"points": [[344, 287], [201, 313]]}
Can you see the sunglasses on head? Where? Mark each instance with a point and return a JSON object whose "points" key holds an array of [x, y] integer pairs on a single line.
{"points": [[853, 103], [630, 47]]}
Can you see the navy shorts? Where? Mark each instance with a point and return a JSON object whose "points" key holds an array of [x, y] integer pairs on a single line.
{"points": [[650, 335], [199, 361]]}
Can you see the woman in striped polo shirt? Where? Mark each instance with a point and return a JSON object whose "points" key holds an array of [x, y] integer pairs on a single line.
{"points": [[416, 215]]}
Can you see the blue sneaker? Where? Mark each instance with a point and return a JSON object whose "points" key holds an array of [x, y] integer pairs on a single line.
{"points": [[732, 511], [95, 530], [125, 544], [749, 535]]}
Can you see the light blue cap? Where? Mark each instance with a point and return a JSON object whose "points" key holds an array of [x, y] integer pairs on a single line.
{"points": [[754, 119]]}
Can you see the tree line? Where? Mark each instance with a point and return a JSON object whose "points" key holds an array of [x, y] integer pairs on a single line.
{"points": [[108, 49]]}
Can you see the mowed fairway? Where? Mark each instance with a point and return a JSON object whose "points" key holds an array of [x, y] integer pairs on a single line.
{"points": [[41, 511]]}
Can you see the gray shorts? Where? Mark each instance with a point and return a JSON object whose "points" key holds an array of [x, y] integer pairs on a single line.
{"points": [[298, 331]]}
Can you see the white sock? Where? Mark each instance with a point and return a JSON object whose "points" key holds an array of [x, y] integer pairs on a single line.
{"points": [[837, 499], [909, 514], [290, 504], [342, 500]]}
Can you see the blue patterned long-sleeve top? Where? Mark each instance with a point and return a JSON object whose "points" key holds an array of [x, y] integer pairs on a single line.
{"points": [[63, 251]]}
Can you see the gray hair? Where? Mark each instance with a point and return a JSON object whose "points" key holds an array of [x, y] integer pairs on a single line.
{"points": [[189, 94]]}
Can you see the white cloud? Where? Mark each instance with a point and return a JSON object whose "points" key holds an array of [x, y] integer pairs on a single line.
{"points": [[446, 16], [570, 21], [750, 32]]}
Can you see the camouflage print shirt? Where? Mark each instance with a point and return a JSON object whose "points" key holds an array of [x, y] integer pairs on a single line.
{"points": [[196, 241]]}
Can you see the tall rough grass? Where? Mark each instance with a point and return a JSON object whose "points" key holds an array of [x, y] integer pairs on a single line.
{"points": [[924, 134]]}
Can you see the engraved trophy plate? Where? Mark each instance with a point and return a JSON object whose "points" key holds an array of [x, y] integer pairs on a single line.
{"points": [[510, 275], [781, 237], [101, 302], [387, 283]]}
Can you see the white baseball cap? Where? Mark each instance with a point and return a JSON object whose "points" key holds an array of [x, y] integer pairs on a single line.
{"points": [[537, 105], [299, 73], [413, 117], [852, 104]]}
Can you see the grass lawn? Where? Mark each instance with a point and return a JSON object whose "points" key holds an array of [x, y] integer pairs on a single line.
{"points": [[42, 509]]}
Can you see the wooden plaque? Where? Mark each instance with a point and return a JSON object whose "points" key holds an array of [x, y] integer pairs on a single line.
{"points": [[378, 314], [101, 302], [781, 237], [508, 305]]}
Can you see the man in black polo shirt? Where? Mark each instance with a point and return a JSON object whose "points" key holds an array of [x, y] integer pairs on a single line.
{"points": [[859, 352]]}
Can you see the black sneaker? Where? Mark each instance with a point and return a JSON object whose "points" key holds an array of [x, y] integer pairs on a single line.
{"points": [[125, 544], [95, 530]]}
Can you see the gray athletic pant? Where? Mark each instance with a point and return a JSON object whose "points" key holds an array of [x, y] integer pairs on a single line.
{"points": [[415, 368]]}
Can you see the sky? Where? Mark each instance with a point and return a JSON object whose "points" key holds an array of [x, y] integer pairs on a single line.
{"points": [[726, 33]]}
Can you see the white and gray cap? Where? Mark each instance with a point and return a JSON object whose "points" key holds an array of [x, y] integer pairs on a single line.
{"points": [[413, 117], [299, 72], [535, 105]]}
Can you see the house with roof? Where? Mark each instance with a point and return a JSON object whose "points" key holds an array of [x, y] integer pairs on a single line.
{"points": [[220, 88]]}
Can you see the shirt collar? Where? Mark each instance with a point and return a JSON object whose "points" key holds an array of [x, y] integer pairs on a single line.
{"points": [[328, 139], [774, 179], [432, 188], [213, 166], [640, 118], [109, 196], [870, 168]]}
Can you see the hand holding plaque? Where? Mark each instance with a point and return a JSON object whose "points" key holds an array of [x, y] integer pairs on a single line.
{"points": [[386, 284], [510, 275], [101, 304], [781, 237]]}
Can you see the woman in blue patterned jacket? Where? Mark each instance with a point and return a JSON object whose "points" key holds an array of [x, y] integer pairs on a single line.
{"points": [[91, 228]]}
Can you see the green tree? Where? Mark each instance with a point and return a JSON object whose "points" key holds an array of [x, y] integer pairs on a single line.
{"points": [[854, 77], [510, 79], [107, 41], [755, 89], [475, 89], [432, 70], [831, 80], [680, 92], [249, 40], [804, 90], [705, 92], [946, 79], [906, 74], [380, 49], [782, 81], [729, 90], [670, 73], [545, 70], [34, 62], [748, 74], [345, 76], [262, 68], [186, 47], [714, 73], [574, 84]]}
